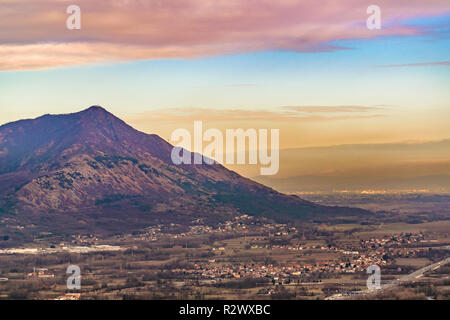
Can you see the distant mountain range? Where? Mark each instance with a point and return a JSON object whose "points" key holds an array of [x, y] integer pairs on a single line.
{"points": [[91, 168], [390, 166]]}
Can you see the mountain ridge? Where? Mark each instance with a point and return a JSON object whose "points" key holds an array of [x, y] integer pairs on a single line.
{"points": [[92, 162]]}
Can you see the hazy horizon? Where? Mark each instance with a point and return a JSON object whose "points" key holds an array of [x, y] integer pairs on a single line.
{"points": [[419, 166]]}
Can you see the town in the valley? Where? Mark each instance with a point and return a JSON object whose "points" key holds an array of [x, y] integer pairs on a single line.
{"points": [[244, 257]]}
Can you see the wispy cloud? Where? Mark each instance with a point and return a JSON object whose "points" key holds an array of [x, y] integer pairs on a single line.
{"points": [[284, 114], [332, 109], [33, 33], [420, 64], [243, 85]]}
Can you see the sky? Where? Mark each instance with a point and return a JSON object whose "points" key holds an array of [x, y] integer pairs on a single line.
{"points": [[309, 68]]}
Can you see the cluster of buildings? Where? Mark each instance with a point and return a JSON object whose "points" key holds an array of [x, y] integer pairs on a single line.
{"points": [[40, 273], [69, 296], [277, 273], [237, 272], [62, 248], [243, 223], [84, 239], [392, 241], [374, 252]]}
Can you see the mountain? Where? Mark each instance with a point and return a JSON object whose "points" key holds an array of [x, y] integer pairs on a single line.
{"points": [[92, 169]]}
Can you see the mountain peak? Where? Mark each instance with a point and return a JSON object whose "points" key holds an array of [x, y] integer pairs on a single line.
{"points": [[95, 108], [97, 113]]}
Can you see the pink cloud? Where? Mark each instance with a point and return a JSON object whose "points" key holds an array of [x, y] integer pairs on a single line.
{"points": [[33, 33]]}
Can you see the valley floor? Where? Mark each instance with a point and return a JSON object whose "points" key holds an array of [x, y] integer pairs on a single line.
{"points": [[242, 258]]}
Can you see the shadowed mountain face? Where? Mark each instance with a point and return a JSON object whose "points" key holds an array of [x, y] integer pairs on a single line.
{"points": [[93, 164]]}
